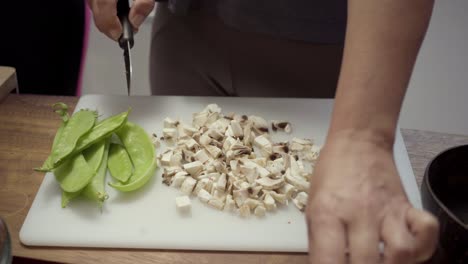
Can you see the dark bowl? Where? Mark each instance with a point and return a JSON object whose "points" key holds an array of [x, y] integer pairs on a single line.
{"points": [[444, 193]]}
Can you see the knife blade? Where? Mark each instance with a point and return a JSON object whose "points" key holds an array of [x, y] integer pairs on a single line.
{"points": [[126, 39]]}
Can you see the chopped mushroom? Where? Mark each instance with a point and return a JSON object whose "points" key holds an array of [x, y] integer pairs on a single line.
{"points": [[187, 185], [204, 196], [260, 211], [183, 203], [231, 162]]}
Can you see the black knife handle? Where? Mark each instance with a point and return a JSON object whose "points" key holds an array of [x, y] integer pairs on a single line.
{"points": [[123, 8]]}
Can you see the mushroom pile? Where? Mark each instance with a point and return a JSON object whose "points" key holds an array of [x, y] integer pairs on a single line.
{"points": [[231, 163]]}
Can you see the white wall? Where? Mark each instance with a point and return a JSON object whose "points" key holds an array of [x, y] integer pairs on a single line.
{"points": [[437, 98]]}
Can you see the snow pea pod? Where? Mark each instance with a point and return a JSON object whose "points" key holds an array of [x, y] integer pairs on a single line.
{"points": [[119, 163], [94, 156], [74, 174], [95, 190], [60, 109], [100, 131], [142, 154], [79, 124]]}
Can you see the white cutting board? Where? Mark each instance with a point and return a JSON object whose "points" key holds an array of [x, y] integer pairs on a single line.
{"points": [[148, 218]]}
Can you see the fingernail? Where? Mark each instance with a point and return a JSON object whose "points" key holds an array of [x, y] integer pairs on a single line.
{"points": [[115, 34], [137, 20]]}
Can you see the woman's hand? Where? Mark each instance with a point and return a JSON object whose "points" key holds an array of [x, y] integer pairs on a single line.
{"points": [[357, 200], [106, 20]]}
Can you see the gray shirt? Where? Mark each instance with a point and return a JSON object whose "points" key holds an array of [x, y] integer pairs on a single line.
{"points": [[305, 20]]}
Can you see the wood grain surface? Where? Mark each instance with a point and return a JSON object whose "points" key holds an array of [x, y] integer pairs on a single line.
{"points": [[27, 128]]}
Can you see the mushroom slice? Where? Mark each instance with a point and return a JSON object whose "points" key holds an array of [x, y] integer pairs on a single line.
{"points": [[236, 129], [220, 166], [264, 144], [176, 160], [281, 126], [276, 167], [240, 196], [249, 172], [205, 140], [269, 202], [300, 201], [270, 184], [229, 132], [188, 130], [213, 108], [166, 158], [219, 195], [200, 185], [221, 183], [214, 151], [230, 204], [252, 203], [200, 119], [170, 133], [209, 186], [178, 179], [228, 142], [212, 117], [244, 211], [255, 191], [188, 185], [302, 197], [288, 190], [193, 168], [281, 148], [191, 143], [260, 124], [300, 183], [248, 134], [202, 156], [204, 196], [260, 161], [187, 155], [262, 172], [260, 211], [183, 204], [217, 204], [220, 125], [170, 123], [215, 134], [279, 197]]}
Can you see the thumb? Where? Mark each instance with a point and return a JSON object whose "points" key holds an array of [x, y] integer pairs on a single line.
{"points": [[425, 229], [139, 11]]}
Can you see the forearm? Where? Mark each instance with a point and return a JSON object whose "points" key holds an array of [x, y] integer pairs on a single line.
{"points": [[382, 42]]}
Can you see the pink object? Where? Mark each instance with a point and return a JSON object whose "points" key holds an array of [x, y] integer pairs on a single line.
{"points": [[87, 12]]}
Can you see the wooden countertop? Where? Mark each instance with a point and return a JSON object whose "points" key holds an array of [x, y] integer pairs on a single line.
{"points": [[27, 129]]}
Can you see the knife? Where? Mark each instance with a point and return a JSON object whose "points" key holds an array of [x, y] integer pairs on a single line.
{"points": [[126, 39]]}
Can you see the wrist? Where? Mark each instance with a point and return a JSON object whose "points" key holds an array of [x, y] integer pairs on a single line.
{"points": [[369, 137]]}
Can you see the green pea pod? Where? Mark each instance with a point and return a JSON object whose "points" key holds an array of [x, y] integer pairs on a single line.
{"points": [[74, 174], [142, 153], [79, 124], [62, 111], [95, 190], [68, 196], [94, 156], [100, 131], [119, 164]]}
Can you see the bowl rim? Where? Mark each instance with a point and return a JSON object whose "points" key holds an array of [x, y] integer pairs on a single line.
{"points": [[431, 191]]}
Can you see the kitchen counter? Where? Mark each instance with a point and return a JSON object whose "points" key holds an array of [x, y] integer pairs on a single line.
{"points": [[26, 134]]}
